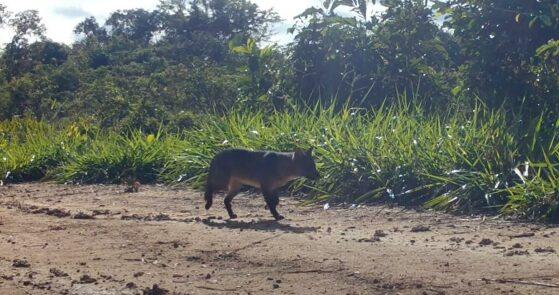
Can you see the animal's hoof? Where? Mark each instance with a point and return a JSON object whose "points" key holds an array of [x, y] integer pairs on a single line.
{"points": [[208, 206], [233, 216], [279, 217]]}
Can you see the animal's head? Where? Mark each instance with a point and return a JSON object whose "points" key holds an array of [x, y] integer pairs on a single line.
{"points": [[305, 163]]}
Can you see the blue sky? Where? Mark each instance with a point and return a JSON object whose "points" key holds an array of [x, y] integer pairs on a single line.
{"points": [[61, 16]]}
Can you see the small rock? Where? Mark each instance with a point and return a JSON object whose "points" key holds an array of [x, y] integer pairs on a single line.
{"points": [[83, 215], [133, 187], [161, 217], [20, 263], [485, 242], [380, 233], [456, 239], [516, 252], [86, 279], [101, 212], [275, 286], [130, 285], [522, 235], [57, 272], [138, 274], [155, 290], [544, 250], [420, 228]]}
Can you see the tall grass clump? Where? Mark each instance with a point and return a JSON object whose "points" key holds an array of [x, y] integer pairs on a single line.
{"points": [[536, 195], [114, 158], [30, 149], [77, 153], [454, 161]]}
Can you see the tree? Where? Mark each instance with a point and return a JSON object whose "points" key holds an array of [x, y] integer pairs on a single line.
{"points": [[498, 42], [4, 14], [370, 59], [259, 65], [27, 24], [136, 25], [89, 28], [416, 54], [16, 58], [204, 28]]}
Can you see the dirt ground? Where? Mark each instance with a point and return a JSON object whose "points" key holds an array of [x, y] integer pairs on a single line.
{"points": [[64, 239]]}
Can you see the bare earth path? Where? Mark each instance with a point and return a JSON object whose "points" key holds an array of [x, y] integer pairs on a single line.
{"points": [[124, 243]]}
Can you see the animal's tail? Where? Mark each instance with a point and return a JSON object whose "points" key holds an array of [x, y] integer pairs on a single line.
{"points": [[209, 194]]}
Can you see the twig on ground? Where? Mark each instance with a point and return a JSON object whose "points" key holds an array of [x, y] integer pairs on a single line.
{"points": [[533, 283], [255, 243], [216, 289], [313, 271]]}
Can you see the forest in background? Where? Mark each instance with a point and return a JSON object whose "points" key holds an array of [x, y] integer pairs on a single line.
{"points": [[142, 67], [452, 104]]}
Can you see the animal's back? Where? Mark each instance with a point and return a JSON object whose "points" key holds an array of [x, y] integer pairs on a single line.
{"points": [[235, 160], [248, 167]]}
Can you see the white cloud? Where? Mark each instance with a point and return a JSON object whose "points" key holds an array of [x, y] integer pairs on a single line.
{"points": [[287, 11], [71, 12], [61, 16]]}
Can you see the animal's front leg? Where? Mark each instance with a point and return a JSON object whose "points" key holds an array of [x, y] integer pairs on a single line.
{"points": [[272, 200]]}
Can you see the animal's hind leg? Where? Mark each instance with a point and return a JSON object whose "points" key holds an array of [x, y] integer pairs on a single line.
{"points": [[232, 191], [211, 189], [217, 181]]}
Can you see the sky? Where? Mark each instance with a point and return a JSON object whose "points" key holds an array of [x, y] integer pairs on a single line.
{"points": [[61, 16]]}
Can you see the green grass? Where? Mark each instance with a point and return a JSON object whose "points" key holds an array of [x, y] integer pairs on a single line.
{"points": [[29, 149], [467, 163]]}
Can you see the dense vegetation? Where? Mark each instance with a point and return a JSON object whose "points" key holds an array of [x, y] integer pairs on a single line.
{"points": [[452, 104]]}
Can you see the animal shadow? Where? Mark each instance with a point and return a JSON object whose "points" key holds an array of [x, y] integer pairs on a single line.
{"points": [[259, 225]]}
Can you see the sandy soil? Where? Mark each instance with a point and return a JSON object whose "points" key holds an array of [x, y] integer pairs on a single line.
{"points": [[63, 239]]}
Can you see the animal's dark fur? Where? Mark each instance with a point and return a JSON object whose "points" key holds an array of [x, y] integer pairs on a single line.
{"points": [[265, 170]]}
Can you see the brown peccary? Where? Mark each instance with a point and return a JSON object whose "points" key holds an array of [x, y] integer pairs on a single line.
{"points": [[266, 170]]}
